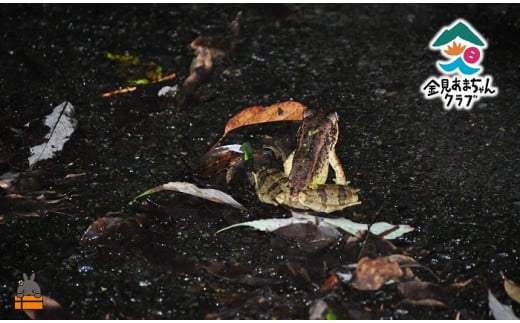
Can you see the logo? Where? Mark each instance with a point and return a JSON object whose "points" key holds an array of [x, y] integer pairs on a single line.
{"points": [[463, 83], [29, 295]]}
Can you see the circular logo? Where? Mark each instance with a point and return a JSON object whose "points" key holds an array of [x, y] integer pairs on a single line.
{"points": [[472, 55]]}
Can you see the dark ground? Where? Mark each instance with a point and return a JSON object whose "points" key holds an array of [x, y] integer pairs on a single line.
{"points": [[454, 175]]}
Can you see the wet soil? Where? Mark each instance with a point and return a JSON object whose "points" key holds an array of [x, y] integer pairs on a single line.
{"points": [[453, 175]]}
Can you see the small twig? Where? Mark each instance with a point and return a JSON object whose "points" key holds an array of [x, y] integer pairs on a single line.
{"points": [[166, 78], [133, 88], [120, 91]]}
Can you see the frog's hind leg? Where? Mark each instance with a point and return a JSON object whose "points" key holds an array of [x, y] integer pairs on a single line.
{"points": [[339, 173]]}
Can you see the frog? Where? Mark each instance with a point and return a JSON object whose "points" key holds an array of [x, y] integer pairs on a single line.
{"points": [[302, 184]]}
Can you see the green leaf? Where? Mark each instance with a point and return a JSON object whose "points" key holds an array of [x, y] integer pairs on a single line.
{"points": [[138, 81], [331, 316], [145, 193], [247, 149], [123, 58]]}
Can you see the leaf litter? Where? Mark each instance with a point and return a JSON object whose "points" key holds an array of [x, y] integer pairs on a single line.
{"points": [[62, 125]]}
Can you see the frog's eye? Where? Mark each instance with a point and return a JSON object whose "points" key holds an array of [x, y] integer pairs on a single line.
{"points": [[308, 113]]}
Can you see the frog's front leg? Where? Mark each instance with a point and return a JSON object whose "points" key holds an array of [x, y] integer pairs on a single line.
{"points": [[339, 174]]}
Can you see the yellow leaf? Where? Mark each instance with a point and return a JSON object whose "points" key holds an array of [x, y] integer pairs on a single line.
{"points": [[512, 289]]}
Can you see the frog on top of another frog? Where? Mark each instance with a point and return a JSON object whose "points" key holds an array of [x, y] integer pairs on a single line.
{"points": [[303, 183]]}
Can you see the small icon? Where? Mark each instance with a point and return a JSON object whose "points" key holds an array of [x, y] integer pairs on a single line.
{"points": [[29, 295]]}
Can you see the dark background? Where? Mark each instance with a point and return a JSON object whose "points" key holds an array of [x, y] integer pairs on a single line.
{"points": [[453, 175]]}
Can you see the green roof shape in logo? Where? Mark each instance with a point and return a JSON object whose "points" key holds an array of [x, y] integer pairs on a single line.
{"points": [[461, 30]]}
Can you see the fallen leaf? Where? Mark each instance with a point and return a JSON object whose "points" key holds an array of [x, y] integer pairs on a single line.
{"points": [[406, 262], [270, 225], [112, 229], [188, 188], [512, 289], [62, 125], [376, 228], [282, 111], [354, 227], [418, 290], [297, 270], [235, 272], [308, 236], [220, 162], [499, 310], [424, 302], [371, 274]]}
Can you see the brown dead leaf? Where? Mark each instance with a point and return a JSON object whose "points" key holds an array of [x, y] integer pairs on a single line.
{"points": [[219, 164], [330, 282], [307, 237], [426, 293], [282, 111], [233, 271], [371, 274], [111, 229], [419, 290], [512, 288], [424, 302]]}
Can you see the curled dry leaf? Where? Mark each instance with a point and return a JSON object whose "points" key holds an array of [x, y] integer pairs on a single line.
{"points": [[220, 162], [371, 274], [282, 111], [512, 289], [188, 188]]}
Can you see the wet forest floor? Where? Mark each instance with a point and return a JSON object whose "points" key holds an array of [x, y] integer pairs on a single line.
{"points": [[452, 175]]}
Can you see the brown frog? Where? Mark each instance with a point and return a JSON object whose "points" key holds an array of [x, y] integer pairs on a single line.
{"points": [[306, 170]]}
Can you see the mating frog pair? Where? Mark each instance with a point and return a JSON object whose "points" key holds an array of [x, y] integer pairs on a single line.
{"points": [[302, 184]]}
